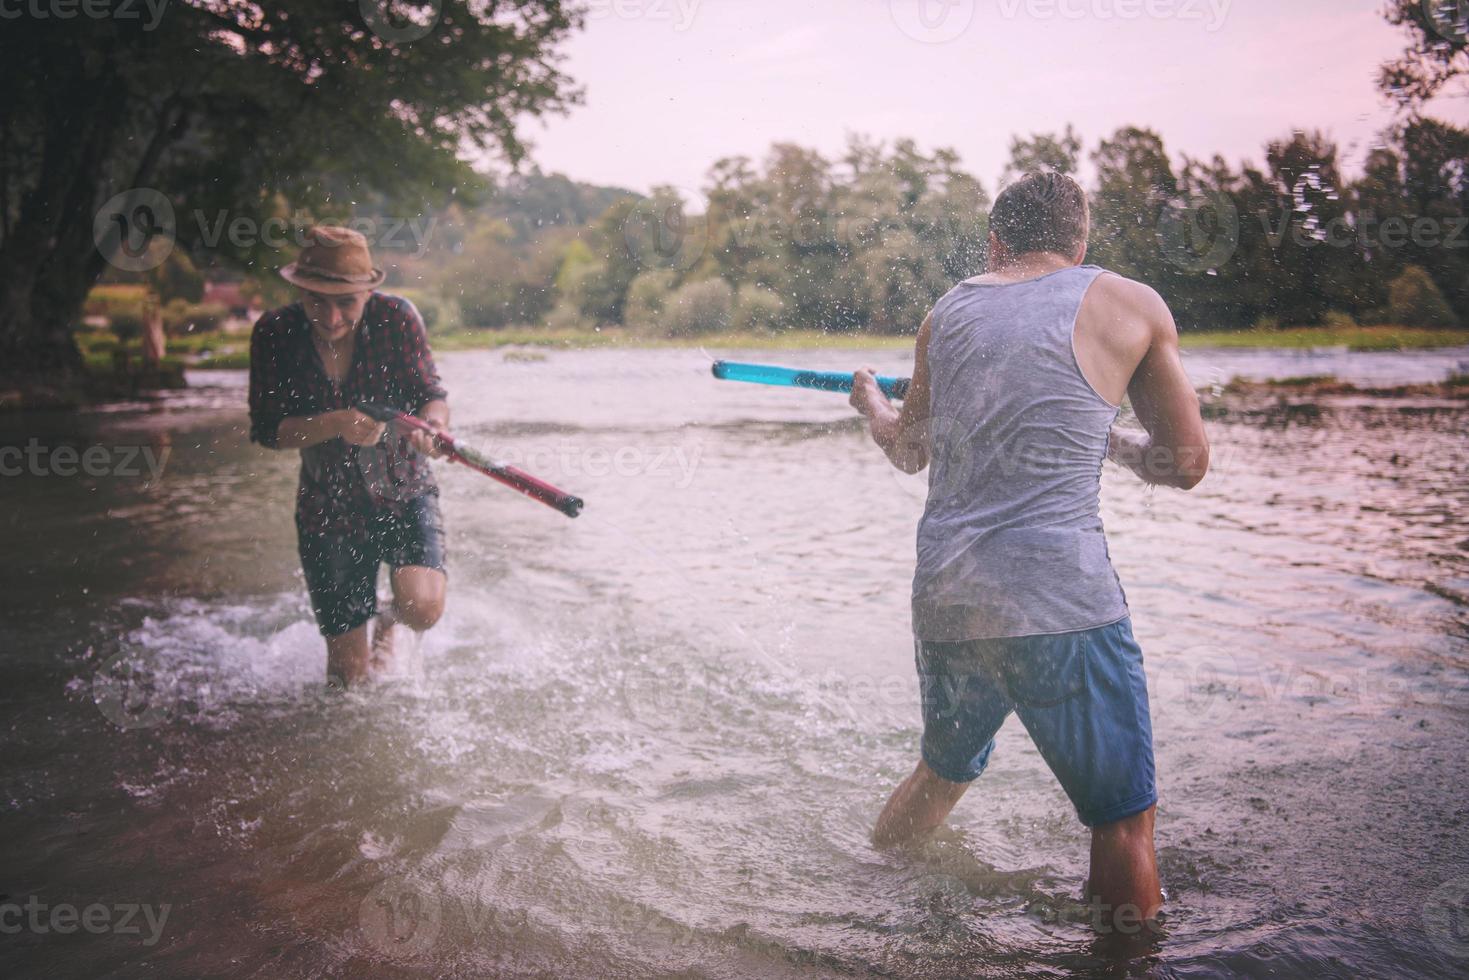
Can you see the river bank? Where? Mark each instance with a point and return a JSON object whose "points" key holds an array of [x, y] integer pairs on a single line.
{"points": [[233, 352]]}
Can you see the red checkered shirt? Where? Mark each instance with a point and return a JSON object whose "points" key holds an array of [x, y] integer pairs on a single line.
{"points": [[343, 486]]}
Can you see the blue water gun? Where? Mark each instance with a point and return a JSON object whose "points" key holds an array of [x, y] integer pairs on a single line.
{"points": [[766, 374]]}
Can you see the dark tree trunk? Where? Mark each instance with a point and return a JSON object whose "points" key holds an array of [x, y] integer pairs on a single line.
{"points": [[49, 260]]}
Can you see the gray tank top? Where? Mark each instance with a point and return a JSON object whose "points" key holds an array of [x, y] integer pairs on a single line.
{"points": [[1011, 542]]}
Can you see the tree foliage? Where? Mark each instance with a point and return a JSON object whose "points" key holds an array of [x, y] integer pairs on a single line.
{"points": [[243, 112], [1437, 51]]}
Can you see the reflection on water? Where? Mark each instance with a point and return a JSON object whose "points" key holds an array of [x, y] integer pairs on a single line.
{"points": [[652, 741]]}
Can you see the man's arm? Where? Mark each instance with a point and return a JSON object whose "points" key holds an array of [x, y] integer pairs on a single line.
{"points": [[902, 435], [1174, 451], [300, 431], [436, 414]]}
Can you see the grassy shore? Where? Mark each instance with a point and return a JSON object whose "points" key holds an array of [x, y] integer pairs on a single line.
{"points": [[1352, 338], [232, 351]]}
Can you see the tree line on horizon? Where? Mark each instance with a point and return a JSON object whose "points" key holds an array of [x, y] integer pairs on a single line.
{"points": [[868, 242]]}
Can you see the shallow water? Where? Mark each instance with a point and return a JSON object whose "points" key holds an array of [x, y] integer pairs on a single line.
{"points": [[652, 741]]}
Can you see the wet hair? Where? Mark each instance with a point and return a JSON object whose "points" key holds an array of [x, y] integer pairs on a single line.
{"points": [[1041, 212]]}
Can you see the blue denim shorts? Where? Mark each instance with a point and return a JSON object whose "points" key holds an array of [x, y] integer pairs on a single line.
{"points": [[342, 569], [1082, 697]]}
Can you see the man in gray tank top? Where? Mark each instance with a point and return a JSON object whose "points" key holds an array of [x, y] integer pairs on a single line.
{"points": [[1018, 379]]}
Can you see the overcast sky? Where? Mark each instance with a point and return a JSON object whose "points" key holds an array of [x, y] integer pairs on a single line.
{"points": [[673, 85]]}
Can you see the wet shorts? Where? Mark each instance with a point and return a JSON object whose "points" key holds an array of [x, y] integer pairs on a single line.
{"points": [[1082, 697], [341, 570]]}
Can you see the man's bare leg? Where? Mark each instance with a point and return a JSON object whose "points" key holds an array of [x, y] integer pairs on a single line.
{"points": [[1124, 873], [418, 596], [418, 602], [917, 807], [348, 658]]}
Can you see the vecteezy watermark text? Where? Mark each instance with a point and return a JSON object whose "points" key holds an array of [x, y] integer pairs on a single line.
{"points": [[1212, 13], [941, 21], [148, 11], [35, 459], [680, 13], [63, 918], [136, 229]]}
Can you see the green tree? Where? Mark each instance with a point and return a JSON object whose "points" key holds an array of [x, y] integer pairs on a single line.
{"points": [[1435, 177], [1053, 152], [1416, 301], [242, 110], [756, 310], [699, 307], [647, 296], [1437, 52], [1134, 181], [177, 278], [1314, 244]]}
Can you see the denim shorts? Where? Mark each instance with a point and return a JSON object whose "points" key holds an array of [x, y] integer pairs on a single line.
{"points": [[1082, 696], [341, 569]]}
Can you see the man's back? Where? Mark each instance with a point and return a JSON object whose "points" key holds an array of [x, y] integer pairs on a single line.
{"points": [[1011, 542]]}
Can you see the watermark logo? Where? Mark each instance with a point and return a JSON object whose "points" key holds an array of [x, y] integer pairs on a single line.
{"points": [[952, 459], [1211, 13], [1448, 18], [656, 693], [1200, 233], [949, 905], [400, 22], [679, 13], [132, 692], [135, 230], [1446, 918], [401, 917], [1197, 683], [932, 21], [668, 230]]}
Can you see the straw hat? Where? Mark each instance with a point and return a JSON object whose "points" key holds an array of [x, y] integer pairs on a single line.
{"points": [[334, 261]]}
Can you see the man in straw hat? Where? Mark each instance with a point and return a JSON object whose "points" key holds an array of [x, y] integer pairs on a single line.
{"points": [[365, 498]]}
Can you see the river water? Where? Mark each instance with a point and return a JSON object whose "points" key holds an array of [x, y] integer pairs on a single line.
{"points": [[652, 741]]}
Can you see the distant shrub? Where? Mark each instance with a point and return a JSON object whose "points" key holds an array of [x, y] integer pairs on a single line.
{"points": [[440, 313], [1414, 300], [565, 316], [757, 309], [203, 318], [1267, 323], [116, 298], [593, 289], [1337, 320], [647, 296], [178, 278], [127, 327], [175, 315], [698, 307]]}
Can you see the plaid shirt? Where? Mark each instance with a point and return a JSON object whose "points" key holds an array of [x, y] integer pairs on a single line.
{"points": [[343, 486]]}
